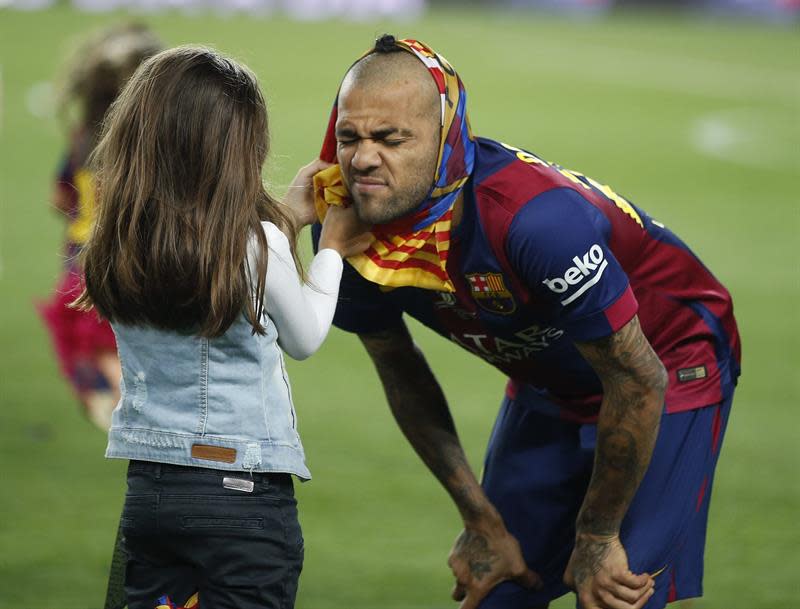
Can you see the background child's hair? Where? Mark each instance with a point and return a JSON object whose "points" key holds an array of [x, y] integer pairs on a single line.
{"points": [[181, 196], [98, 70]]}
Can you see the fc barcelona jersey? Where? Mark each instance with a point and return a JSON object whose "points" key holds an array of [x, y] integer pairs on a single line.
{"points": [[544, 257], [77, 183]]}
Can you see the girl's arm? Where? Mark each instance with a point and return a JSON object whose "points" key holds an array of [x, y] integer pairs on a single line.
{"points": [[302, 312]]}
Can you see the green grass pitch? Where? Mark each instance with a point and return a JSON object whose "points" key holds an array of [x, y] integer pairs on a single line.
{"points": [[695, 121]]}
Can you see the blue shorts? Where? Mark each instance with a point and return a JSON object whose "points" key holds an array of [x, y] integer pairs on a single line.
{"points": [[536, 472]]}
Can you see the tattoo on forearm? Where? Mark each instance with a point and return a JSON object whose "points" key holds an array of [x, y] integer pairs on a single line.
{"points": [[634, 382], [420, 409]]}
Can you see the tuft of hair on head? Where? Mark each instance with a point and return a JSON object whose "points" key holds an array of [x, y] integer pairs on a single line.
{"points": [[386, 65], [387, 44]]}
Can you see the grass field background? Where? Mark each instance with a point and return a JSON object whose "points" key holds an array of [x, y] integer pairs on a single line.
{"points": [[696, 121]]}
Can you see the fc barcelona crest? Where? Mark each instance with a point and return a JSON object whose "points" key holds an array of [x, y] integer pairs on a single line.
{"points": [[490, 293]]}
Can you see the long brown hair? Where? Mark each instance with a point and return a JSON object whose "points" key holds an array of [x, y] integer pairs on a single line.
{"points": [[180, 196]]}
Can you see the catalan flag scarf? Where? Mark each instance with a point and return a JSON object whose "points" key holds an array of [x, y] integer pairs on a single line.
{"points": [[412, 251]]}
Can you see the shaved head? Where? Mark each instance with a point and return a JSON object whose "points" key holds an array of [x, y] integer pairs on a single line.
{"points": [[402, 74]]}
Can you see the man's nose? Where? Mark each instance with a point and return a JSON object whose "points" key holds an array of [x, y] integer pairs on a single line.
{"points": [[367, 155]]}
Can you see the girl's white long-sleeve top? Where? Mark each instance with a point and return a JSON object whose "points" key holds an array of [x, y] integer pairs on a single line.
{"points": [[301, 311]]}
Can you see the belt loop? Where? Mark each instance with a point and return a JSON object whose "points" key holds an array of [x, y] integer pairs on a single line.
{"points": [[158, 471]]}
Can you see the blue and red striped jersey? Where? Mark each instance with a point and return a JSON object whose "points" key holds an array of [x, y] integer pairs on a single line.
{"points": [[544, 257]]}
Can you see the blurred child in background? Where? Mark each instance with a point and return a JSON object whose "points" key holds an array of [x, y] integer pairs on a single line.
{"points": [[83, 343]]}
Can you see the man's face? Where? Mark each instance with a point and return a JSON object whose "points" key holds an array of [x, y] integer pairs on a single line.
{"points": [[388, 145]]}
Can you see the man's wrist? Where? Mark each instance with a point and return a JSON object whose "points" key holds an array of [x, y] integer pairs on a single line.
{"points": [[587, 537], [592, 523], [483, 517]]}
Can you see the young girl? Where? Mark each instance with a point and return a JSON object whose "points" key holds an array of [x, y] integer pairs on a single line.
{"points": [[193, 264], [84, 344]]}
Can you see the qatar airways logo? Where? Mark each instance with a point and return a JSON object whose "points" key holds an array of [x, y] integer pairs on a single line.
{"points": [[587, 272]]}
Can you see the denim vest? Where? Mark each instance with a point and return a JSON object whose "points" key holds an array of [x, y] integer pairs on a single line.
{"points": [[223, 403]]}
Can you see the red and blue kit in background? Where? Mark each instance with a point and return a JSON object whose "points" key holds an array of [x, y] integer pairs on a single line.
{"points": [[544, 257], [78, 336]]}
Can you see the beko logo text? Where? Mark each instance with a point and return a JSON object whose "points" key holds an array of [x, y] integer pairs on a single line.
{"points": [[592, 263]]}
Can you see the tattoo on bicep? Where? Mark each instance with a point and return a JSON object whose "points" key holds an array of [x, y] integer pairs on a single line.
{"points": [[625, 357]]}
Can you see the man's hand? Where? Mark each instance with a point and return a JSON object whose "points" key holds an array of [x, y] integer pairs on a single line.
{"points": [[485, 553], [481, 559], [598, 572], [300, 196]]}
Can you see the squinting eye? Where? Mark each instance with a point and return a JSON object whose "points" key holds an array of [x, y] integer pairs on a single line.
{"points": [[342, 142], [393, 142]]}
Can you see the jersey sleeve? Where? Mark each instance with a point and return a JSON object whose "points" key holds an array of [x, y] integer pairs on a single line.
{"points": [[362, 308], [559, 245]]}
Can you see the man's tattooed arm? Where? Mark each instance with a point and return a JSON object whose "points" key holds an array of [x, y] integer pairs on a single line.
{"points": [[634, 381], [484, 553], [421, 411]]}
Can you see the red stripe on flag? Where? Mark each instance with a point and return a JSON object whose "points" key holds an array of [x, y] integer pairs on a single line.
{"points": [[410, 263], [410, 249], [328, 152], [439, 78], [387, 237]]}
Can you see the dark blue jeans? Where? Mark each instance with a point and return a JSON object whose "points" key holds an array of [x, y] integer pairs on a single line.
{"points": [[185, 532]]}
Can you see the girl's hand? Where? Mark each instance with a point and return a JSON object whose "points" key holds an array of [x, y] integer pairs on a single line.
{"points": [[300, 196], [344, 232]]}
